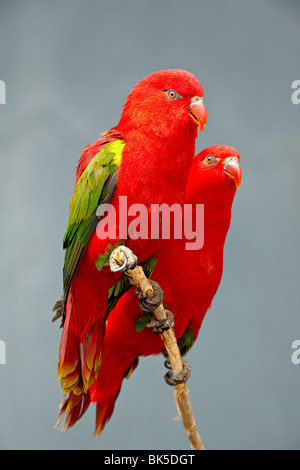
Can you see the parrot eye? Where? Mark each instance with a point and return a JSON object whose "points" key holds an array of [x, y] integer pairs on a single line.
{"points": [[173, 95], [210, 160]]}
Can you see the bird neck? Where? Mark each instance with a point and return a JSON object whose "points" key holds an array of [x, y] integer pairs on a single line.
{"points": [[217, 216]]}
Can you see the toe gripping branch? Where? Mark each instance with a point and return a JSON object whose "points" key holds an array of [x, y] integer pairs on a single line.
{"points": [[122, 259], [174, 377], [148, 305]]}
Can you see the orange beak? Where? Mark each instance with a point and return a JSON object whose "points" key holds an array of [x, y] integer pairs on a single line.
{"points": [[198, 112], [233, 169]]}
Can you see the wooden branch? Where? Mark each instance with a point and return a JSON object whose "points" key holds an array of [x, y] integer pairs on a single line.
{"points": [[182, 392]]}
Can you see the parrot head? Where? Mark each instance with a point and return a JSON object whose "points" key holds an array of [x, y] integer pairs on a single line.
{"points": [[216, 170], [165, 103]]}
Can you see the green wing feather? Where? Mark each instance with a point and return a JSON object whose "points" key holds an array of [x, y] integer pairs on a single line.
{"points": [[186, 341], [94, 187]]}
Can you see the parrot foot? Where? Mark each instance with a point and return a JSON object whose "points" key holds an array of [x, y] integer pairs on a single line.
{"points": [[174, 377], [160, 327], [148, 305], [130, 260]]}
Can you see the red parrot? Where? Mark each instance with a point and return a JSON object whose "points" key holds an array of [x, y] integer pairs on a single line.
{"points": [[145, 158], [189, 280]]}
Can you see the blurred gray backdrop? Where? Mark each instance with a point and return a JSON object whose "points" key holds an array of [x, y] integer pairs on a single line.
{"points": [[68, 67]]}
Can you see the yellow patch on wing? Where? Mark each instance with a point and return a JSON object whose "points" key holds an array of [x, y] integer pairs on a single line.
{"points": [[117, 147]]}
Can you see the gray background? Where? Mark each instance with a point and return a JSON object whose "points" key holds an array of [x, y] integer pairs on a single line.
{"points": [[68, 67]]}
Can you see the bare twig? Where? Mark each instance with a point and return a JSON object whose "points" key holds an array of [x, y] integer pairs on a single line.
{"points": [[169, 339]]}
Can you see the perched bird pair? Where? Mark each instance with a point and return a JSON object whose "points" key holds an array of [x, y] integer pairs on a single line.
{"points": [[149, 159]]}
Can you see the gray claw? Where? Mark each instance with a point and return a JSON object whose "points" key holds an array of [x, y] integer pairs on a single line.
{"points": [[174, 377], [148, 305], [160, 327]]}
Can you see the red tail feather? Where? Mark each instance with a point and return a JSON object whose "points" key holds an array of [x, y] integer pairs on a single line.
{"points": [[91, 353], [74, 406], [105, 407], [79, 361], [68, 366]]}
